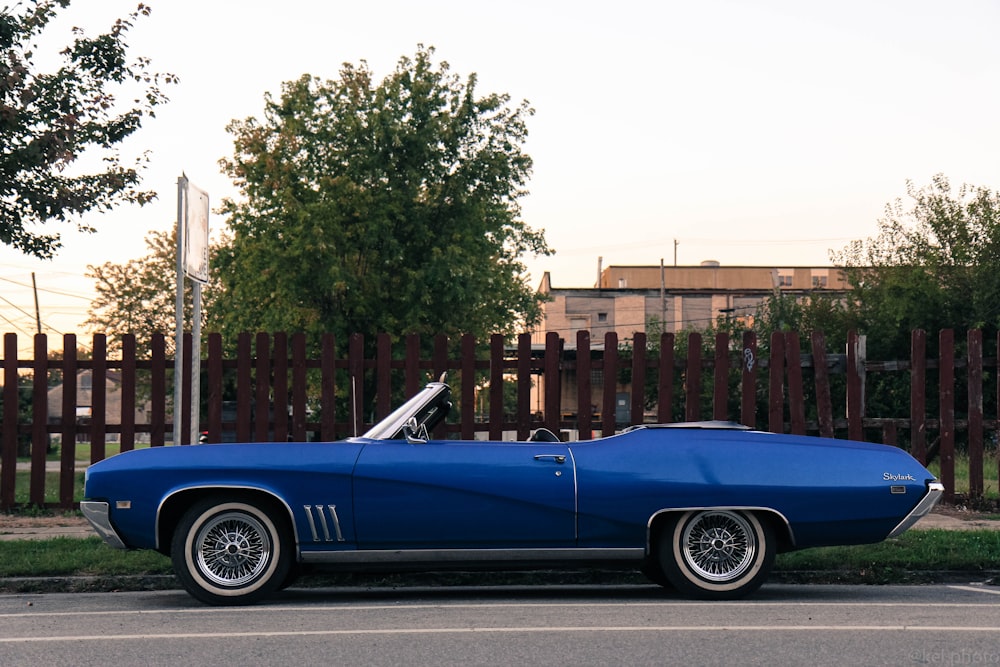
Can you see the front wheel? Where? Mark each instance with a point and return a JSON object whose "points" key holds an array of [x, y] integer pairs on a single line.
{"points": [[717, 554], [228, 552]]}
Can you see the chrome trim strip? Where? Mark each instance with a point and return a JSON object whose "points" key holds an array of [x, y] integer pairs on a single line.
{"points": [[743, 508], [312, 524], [576, 496], [336, 522], [935, 490], [322, 523], [458, 556], [97, 513], [272, 494]]}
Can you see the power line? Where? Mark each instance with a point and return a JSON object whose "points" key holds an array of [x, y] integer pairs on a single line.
{"points": [[47, 290]]}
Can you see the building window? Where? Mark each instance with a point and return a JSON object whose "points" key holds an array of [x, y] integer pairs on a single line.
{"points": [[597, 377], [819, 278], [785, 277], [602, 317]]}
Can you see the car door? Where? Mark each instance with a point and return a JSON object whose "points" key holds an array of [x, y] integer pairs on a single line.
{"points": [[464, 494]]}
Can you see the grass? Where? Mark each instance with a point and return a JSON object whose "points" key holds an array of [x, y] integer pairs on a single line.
{"points": [[64, 556], [991, 488], [892, 561], [22, 487]]}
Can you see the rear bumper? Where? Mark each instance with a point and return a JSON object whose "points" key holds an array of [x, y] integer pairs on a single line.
{"points": [[934, 492], [97, 513]]}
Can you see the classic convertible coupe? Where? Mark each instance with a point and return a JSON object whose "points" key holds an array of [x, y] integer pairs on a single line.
{"points": [[700, 507]]}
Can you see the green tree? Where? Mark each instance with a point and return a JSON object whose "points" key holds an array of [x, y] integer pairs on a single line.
{"points": [[138, 297], [49, 120], [934, 264], [378, 207]]}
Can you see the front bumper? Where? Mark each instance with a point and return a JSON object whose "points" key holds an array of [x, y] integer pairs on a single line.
{"points": [[934, 492], [97, 513]]}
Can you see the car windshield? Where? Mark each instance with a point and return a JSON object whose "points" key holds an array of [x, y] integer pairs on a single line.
{"points": [[423, 406]]}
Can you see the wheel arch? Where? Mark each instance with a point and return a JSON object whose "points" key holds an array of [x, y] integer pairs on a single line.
{"points": [[778, 522], [173, 506]]}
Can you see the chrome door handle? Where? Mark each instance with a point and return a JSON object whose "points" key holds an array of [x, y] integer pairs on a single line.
{"points": [[558, 458]]}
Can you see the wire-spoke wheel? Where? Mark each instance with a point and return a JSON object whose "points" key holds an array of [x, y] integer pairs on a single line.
{"points": [[721, 554], [230, 552]]}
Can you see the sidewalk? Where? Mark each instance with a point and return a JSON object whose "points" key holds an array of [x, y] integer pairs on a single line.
{"points": [[13, 527]]}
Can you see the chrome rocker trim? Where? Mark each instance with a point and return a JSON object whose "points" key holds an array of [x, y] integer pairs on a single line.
{"points": [[934, 492], [97, 513], [459, 556]]}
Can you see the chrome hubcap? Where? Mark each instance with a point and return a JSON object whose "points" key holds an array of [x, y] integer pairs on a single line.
{"points": [[719, 546], [232, 549]]}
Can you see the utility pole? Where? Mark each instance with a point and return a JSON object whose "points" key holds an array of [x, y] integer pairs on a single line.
{"points": [[38, 315]]}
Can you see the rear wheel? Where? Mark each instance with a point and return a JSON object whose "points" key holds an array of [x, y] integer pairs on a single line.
{"points": [[717, 554], [228, 552]]}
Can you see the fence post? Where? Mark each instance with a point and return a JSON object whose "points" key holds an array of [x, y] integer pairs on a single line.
{"points": [[552, 381], [584, 411], [523, 417], [638, 402], [975, 385], [356, 377], [98, 398], [610, 373], [946, 380], [918, 395], [412, 365], [8, 453], [748, 390], [158, 390], [128, 386], [855, 386], [776, 386], [39, 419], [497, 415], [187, 395], [468, 414], [67, 448]]}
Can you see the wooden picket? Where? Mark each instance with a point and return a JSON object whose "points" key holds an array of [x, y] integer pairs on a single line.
{"points": [[728, 382]]}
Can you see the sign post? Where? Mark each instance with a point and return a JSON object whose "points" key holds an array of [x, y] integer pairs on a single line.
{"points": [[192, 262]]}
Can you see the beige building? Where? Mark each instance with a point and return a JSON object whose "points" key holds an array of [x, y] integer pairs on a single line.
{"points": [[682, 297], [627, 298]]}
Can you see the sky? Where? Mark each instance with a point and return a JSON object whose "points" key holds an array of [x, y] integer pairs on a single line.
{"points": [[750, 132]]}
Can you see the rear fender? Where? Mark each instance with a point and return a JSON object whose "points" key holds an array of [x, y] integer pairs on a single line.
{"points": [[777, 520]]}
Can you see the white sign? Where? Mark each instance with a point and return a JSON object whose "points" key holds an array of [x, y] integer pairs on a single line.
{"points": [[195, 233]]}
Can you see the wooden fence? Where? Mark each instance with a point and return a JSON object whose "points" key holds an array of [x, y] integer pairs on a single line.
{"points": [[788, 390]]}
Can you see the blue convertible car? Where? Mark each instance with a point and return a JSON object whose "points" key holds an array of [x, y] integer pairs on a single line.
{"points": [[700, 507]]}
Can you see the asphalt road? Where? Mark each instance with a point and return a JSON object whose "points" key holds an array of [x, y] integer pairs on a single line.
{"points": [[635, 625]]}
